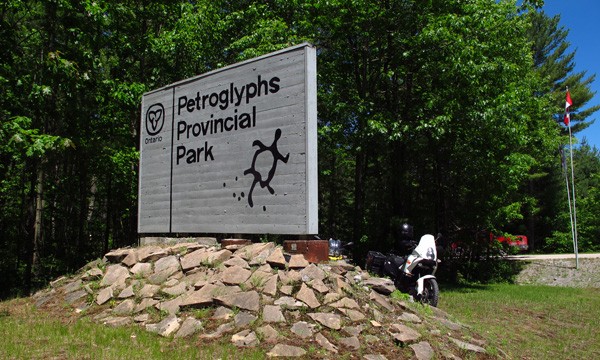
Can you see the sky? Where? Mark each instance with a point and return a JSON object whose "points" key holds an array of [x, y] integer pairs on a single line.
{"points": [[582, 19]]}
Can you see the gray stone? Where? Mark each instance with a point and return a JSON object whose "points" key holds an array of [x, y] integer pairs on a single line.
{"points": [[283, 277], [307, 296], [298, 261], [251, 251], [202, 297], [237, 261], [126, 307], [171, 306], [350, 342], [92, 274], [142, 269], [117, 321], [194, 259], [303, 329], [313, 272], [130, 260], [331, 297], [332, 321], [353, 330], [404, 334], [410, 317], [166, 327], [219, 257], [188, 328], [268, 333], [175, 290], [423, 351], [273, 314], [115, 274], [115, 256], [261, 258], [249, 300], [287, 289], [148, 290], [142, 318], [354, 315], [282, 350], [168, 265], [276, 258], [270, 287], [381, 285], [126, 293], [245, 338], [289, 302], [346, 303], [235, 275], [319, 286], [104, 295], [72, 297], [326, 344], [222, 313], [183, 248], [243, 319], [467, 346], [150, 253], [222, 329], [144, 304], [258, 279], [379, 299]]}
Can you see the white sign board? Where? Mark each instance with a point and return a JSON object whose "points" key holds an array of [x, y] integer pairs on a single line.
{"points": [[233, 150]]}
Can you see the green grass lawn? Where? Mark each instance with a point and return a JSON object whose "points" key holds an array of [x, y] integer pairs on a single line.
{"points": [[26, 333], [530, 322], [520, 322]]}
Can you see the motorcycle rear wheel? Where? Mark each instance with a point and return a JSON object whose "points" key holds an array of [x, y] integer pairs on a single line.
{"points": [[431, 293]]}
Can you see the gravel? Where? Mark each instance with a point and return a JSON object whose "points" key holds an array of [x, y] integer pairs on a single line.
{"points": [[561, 272]]}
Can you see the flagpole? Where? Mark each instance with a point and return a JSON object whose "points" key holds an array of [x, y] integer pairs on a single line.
{"points": [[574, 207], [574, 220], [566, 173]]}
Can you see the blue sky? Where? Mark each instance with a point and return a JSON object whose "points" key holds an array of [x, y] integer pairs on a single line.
{"points": [[582, 19]]}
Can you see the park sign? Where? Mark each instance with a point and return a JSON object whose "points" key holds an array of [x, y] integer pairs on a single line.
{"points": [[233, 150]]}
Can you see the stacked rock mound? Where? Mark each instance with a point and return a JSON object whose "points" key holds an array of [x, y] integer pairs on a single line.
{"points": [[257, 296]]}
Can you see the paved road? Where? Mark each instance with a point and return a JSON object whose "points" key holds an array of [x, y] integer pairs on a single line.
{"points": [[553, 256]]}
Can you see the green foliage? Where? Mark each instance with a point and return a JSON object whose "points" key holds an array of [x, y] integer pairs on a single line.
{"points": [[440, 113]]}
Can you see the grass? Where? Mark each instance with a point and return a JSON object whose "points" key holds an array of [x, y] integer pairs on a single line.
{"points": [[519, 322], [530, 322], [26, 333]]}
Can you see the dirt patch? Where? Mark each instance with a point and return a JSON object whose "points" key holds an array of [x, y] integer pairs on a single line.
{"points": [[561, 272]]}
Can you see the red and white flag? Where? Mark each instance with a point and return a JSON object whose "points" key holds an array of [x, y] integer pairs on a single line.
{"points": [[568, 104]]}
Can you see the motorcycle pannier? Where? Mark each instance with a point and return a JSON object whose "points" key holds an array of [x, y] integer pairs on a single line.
{"points": [[375, 261]]}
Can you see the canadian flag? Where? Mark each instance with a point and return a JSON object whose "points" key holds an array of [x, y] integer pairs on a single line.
{"points": [[568, 104]]}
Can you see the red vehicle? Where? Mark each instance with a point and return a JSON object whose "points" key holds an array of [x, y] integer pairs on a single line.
{"points": [[518, 241]]}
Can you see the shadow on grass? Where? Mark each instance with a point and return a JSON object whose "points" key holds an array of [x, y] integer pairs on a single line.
{"points": [[459, 274], [462, 288]]}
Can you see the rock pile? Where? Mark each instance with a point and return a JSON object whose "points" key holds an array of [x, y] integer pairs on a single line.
{"points": [[257, 296]]}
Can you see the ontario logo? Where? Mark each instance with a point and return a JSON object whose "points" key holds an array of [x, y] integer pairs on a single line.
{"points": [[155, 120]]}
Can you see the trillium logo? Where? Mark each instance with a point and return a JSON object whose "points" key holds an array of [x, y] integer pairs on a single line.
{"points": [[155, 119]]}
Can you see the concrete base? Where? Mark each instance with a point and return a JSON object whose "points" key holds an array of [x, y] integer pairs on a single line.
{"points": [[162, 240]]}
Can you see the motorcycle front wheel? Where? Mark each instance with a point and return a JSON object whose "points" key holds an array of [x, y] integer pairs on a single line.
{"points": [[431, 293]]}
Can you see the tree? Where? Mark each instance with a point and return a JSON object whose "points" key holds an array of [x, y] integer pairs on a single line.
{"points": [[555, 67]]}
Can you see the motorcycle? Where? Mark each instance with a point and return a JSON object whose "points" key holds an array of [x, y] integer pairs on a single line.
{"points": [[338, 249], [413, 274]]}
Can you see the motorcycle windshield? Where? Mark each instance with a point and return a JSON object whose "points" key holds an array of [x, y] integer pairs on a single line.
{"points": [[426, 248]]}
